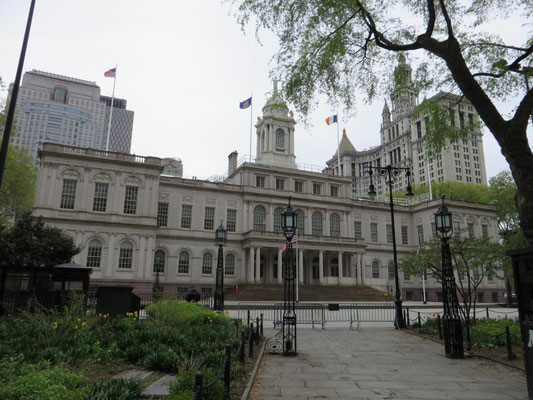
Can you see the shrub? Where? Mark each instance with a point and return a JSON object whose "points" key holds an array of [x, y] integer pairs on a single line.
{"points": [[21, 381], [184, 386], [491, 332], [115, 389]]}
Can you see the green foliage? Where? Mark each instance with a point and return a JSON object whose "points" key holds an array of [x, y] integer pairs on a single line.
{"points": [[491, 332], [115, 389], [184, 386], [502, 191], [32, 244], [21, 381], [469, 192]]}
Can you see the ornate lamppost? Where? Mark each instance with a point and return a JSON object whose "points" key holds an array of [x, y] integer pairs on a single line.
{"points": [[221, 235], [453, 332], [288, 224], [391, 174]]}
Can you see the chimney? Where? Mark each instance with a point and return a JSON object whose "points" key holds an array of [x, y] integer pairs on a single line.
{"points": [[232, 162]]}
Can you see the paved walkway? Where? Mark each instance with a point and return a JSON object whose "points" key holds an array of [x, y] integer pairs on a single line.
{"points": [[380, 363]]}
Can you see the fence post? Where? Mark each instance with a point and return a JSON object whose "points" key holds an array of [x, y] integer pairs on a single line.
{"points": [[439, 326], [419, 320], [227, 371], [257, 330], [261, 324], [243, 343], [487, 309], [251, 341], [248, 324], [510, 355], [198, 383], [408, 319]]}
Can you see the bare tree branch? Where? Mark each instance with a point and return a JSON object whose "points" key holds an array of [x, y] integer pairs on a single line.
{"points": [[503, 46]]}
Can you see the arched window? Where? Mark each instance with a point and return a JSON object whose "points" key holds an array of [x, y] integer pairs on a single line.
{"points": [[94, 254], [375, 269], [229, 267], [300, 222], [207, 264], [280, 139], [334, 225], [125, 257], [277, 219], [183, 262], [60, 95], [259, 218], [391, 270], [159, 261], [334, 267], [316, 223]]}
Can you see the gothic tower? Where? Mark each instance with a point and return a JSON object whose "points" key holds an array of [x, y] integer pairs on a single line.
{"points": [[404, 96]]}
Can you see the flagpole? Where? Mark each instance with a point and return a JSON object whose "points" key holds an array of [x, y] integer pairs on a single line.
{"points": [[338, 146], [111, 111], [424, 286], [297, 270], [251, 112]]}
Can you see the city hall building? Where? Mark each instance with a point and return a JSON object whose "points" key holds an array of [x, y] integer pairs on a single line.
{"points": [[131, 218]]}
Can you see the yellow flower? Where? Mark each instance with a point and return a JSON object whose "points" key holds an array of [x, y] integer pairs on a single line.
{"points": [[135, 318], [136, 313], [76, 327], [83, 324], [99, 314]]}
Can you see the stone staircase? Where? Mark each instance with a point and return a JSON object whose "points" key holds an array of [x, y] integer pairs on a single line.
{"points": [[318, 293]]}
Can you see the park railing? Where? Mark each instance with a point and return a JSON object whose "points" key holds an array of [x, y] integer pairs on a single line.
{"points": [[224, 372]]}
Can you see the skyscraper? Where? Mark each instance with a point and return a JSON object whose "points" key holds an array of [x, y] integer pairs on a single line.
{"points": [[66, 110], [121, 124]]}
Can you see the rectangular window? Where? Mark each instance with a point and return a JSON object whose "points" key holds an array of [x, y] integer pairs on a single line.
{"points": [[471, 230], [480, 297], [461, 119], [68, 194], [391, 272], [162, 214], [316, 188], [94, 255], [298, 186], [420, 232], [260, 181], [373, 232], [231, 220], [334, 191], [100, 196], [209, 218], [485, 231], [130, 200], [186, 216], [409, 295], [419, 129], [405, 235], [125, 257], [280, 184], [389, 233], [433, 229], [357, 229], [495, 297]]}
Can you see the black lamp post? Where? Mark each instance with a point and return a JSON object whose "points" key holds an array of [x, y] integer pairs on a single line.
{"points": [[391, 174], [221, 236], [289, 224], [453, 332], [157, 286]]}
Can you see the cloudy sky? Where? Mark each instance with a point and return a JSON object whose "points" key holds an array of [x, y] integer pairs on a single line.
{"points": [[183, 66]]}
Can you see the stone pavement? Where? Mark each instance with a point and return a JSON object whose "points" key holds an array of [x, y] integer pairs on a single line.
{"points": [[380, 363]]}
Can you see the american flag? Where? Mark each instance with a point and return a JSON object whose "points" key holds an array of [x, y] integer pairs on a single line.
{"points": [[111, 73], [294, 239]]}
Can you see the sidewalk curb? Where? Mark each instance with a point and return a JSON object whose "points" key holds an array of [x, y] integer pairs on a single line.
{"points": [[251, 380]]}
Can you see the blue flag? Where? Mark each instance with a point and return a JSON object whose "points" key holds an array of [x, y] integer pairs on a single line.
{"points": [[245, 104]]}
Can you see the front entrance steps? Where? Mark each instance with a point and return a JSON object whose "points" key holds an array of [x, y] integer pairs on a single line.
{"points": [[318, 293]]}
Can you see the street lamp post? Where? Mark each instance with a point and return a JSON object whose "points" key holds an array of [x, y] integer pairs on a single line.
{"points": [[288, 224], [221, 235], [453, 332], [391, 174]]}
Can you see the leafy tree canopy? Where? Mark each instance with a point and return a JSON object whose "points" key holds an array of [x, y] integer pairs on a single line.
{"points": [[343, 47], [29, 243], [502, 192], [470, 192]]}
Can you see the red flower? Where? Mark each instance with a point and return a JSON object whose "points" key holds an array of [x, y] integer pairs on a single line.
{"points": [[37, 315]]}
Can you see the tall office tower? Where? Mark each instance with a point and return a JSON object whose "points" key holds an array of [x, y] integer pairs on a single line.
{"points": [[121, 124], [60, 109]]}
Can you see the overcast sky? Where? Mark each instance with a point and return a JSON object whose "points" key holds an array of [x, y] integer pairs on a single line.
{"points": [[183, 67]]}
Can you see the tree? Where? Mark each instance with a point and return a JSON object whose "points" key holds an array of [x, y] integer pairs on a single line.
{"points": [[17, 193], [473, 260], [336, 48], [452, 190]]}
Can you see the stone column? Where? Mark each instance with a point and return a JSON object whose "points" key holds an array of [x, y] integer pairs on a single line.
{"points": [[143, 261], [149, 273], [251, 266], [361, 269], [341, 272], [321, 266], [300, 266], [110, 255], [351, 267], [280, 266], [258, 265]]}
